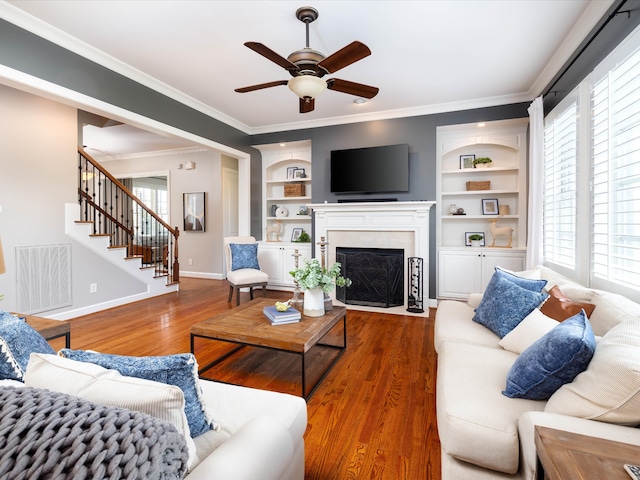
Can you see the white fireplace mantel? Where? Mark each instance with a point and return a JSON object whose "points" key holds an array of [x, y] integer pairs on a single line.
{"points": [[376, 225]]}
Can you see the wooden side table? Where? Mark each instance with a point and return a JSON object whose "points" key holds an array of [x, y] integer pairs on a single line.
{"points": [[566, 455], [49, 329]]}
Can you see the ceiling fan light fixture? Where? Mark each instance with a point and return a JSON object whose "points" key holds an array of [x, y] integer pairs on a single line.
{"points": [[307, 86]]}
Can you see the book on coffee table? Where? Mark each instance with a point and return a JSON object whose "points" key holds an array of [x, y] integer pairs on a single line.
{"points": [[290, 315]]}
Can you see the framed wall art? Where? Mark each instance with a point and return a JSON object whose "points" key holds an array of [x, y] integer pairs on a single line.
{"points": [[466, 161], [193, 212], [295, 234], [490, 206]]}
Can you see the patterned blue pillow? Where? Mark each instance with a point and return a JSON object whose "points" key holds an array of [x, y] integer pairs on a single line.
{"points": [[553, 360], [180, 370], [17, 342], [504, 305], [244, 255], [529, 284]]}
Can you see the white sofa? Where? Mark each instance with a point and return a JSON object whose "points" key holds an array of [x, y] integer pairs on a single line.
{"points": [[486, 435], [258, 434]]}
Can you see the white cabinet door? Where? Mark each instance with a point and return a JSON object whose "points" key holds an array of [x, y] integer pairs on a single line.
{"points": [[276, 259], [513, 261], [465, 271], [269, 258], [458, 273]]}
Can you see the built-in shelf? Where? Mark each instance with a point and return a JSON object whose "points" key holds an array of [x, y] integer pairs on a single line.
{"points": [[463, 218], [480, 192], [478, 171], [464, 269]]}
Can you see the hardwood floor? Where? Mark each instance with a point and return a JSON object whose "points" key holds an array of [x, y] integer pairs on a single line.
{"points": [[373, 416]]}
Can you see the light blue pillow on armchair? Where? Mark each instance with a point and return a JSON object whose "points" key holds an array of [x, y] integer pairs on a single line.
{"points": [[504, 305], [180, 370], [18, 341], [553, 360], [244, 255]]}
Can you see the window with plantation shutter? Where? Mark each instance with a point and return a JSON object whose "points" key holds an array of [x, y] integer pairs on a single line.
{"points": [[592, 176], [615, 152], [560, 184]]}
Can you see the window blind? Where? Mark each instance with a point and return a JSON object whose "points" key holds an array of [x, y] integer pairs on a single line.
{"points": [[559, 210], [615, 131]]}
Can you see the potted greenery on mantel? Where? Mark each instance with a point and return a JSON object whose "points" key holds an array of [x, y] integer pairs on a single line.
{"points": [[482, 162]]}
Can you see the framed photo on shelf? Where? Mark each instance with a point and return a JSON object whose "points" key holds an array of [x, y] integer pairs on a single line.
{"points": [[467, 240], [291, 173], [299, 173], [193, 212], [295, 234], [466, 161], [490, 206]]}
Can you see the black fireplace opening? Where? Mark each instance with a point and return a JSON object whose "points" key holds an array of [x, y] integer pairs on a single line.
{"points": [[377, 276]]}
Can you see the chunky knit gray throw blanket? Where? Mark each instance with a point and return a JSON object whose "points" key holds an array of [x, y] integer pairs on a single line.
{"points": [[49, 435]]}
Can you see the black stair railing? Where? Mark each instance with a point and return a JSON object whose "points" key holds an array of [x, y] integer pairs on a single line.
{"points": [[115, 211]]}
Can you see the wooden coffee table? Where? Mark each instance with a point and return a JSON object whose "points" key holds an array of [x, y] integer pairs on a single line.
{"points": [[566, 455], [49, 329], [246, 325]]}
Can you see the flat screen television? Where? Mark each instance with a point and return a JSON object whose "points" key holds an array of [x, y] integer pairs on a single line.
{"points": [[370, 170]]}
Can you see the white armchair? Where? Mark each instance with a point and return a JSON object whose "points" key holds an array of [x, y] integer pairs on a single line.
{"points": [[243, 270]]}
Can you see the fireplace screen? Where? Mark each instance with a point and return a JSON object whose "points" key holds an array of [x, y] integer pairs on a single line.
{"points": [[377, 275]]}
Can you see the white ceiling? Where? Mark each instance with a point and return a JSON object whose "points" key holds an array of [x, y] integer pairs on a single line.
{"points": [[427, 56]]}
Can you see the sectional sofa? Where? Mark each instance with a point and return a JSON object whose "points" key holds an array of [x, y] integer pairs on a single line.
{"points": [[580, 374]]}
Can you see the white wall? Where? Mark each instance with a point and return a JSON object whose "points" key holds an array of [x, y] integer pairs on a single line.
{"points": [[38, 175]]}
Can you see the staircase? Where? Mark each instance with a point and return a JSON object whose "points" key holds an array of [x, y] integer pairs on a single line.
{"points": [[111, 221]]}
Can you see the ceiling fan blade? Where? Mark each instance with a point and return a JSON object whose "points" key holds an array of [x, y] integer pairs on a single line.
{"points": [[346, 56], [271, 55], [307, 105], [357, 89], [261, 86]]}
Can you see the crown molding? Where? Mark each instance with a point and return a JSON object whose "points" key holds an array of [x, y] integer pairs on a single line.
{"points": [[48, 32]]}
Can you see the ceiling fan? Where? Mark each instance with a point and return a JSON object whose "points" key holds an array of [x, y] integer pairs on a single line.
{"points": [[308, 66]]}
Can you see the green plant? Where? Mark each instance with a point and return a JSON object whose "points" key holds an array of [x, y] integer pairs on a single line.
{"points": [[303, 238], [475, 236], [313, 275], [482, 160]]}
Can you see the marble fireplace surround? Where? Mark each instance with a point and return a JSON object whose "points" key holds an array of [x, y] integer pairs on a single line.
{"points": [[402, 225]]}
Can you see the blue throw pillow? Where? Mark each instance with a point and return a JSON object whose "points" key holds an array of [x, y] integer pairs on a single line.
{"points": [[180, 370], [17, 342], [553, 360], [244, 255], [504, 305], [529, 284]]}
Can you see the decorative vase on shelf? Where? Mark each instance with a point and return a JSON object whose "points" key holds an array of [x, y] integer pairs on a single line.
{"points": [[313, 305], [453, 209]]}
